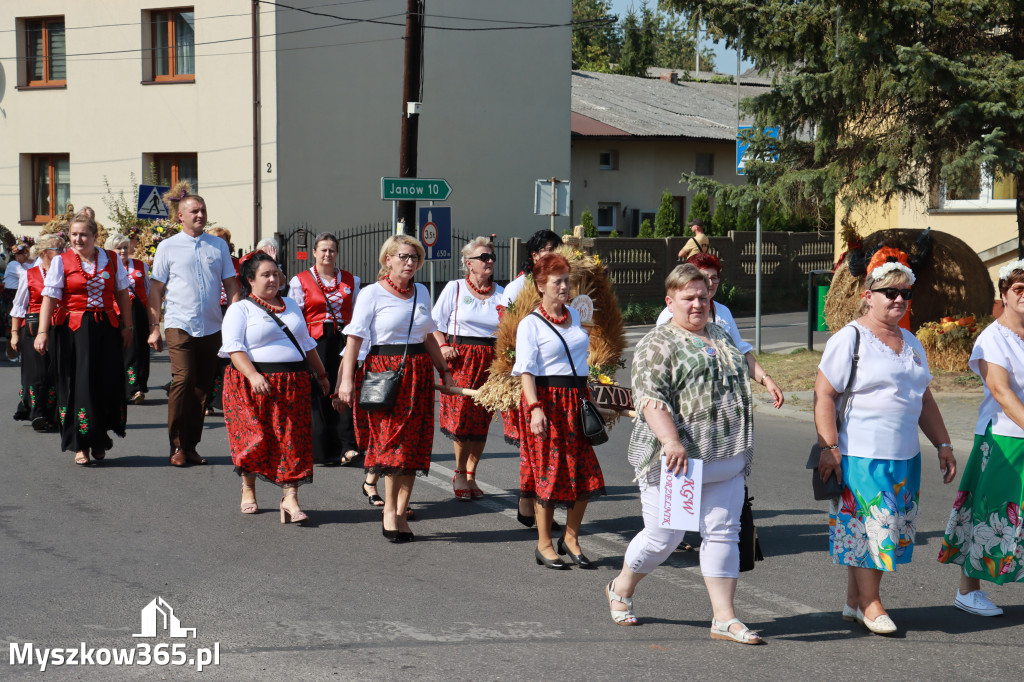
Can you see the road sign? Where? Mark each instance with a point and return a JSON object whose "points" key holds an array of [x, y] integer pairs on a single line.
{"points": [[436, 231], [551, 197], [414, 189], [151, 206], [742, 145]]}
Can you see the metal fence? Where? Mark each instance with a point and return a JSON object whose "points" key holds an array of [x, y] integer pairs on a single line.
{"points": [[638, 267], [359, 247]]}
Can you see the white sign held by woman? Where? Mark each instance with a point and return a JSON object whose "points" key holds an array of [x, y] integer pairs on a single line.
{"points": [[680, 496]]}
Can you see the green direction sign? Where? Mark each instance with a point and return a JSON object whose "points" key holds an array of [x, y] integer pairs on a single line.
{"points": [[414, 189]]}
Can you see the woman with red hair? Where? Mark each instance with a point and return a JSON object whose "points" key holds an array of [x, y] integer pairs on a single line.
{"points": [[557, 466]]}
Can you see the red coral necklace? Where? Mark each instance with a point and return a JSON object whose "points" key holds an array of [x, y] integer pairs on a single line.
{"points": [[560, 320], [387, 278], [486, 291], [331, 289], [267, 306]]}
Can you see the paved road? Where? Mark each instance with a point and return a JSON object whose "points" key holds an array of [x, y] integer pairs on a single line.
{"points": [[84, 550]]}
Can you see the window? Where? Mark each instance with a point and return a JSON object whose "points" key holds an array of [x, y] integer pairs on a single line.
{"points": [[44, 53], [51, 185], [172, 168], [170, 40], [606, 214], [609, 160], [705, 164], [983, 191]]}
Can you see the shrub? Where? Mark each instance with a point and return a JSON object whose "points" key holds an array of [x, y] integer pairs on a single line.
{"points": [[646, 231], [666, 221], [587, 221], [700, 210]]}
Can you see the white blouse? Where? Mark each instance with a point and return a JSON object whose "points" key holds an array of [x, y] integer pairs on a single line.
{"points": [[539, 352], [512, 291], [459, 312], [723, 318], [886, 396], [247, 327], [381, 318], [53, 285], [1000, 346], [19, 308]]}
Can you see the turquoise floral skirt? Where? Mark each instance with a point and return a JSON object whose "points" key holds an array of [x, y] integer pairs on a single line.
{"points": [[873, 524]]}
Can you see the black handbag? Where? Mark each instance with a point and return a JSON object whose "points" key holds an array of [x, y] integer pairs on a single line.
{"points": [[591, 422], [380, 389], [832, 489], [750, 544]]}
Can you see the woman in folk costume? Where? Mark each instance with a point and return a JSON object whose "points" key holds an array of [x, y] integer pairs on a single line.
{"points": [[326, 295], [88, 341], [136, 356]]}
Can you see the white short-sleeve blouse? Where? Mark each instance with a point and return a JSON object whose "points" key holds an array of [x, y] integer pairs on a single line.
{"points": [[998, 345], [886, 396], [247, 327], [511, 292], [539, 352], [459, 312], [381, 318]]}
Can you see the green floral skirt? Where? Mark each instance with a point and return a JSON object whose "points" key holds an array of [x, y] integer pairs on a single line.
{"points": [[984, 530]]}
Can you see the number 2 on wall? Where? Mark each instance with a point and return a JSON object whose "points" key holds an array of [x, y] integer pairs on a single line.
{"points": [[268, 166]]}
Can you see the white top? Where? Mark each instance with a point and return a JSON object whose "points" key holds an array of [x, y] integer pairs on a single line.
{"points": [[247, 327], [723, 318], [381, 318], [13, 274], [998, 345], [53, 285], [459, 312], [296, 292], [886, 396], [539, 352], [512, 291], [19, 308], [193, 270]]}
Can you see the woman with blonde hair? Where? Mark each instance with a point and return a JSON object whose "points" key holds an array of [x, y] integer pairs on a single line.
{"points": [[393, 316], [136, 356], [466, 316], [38, 402], [82, 286]]}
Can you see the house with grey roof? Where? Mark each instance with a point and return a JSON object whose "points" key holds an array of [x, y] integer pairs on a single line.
{"points": [[632, 139]]}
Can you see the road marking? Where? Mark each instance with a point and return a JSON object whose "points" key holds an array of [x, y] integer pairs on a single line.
{"points": [[611, 545]]}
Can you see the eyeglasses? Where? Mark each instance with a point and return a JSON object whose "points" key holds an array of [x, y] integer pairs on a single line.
{"points": [[892, 292], [406, 257], [484, 257]]}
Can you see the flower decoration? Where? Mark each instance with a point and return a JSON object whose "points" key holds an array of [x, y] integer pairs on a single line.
{"points": [[1010, 268], [893, 266]]}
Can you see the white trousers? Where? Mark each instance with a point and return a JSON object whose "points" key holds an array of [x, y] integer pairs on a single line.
{"points": [[720, 505]]}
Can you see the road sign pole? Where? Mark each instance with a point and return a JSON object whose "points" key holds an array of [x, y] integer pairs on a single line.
{"points": [[432, 299], [757, 278], [554, 204]]}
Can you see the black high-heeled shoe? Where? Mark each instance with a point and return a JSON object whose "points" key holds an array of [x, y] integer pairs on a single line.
{"points": [[404, 536], [531, 521], [389, 535], [374, 499], [556, 564], [580, 559]]}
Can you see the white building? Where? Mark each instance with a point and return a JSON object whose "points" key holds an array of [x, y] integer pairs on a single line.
{"points": [[94, 90]]}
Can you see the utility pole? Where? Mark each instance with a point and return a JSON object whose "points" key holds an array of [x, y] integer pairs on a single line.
{"points": [[412, 83]]}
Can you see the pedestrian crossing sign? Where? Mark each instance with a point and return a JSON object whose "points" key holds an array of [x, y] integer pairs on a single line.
{"points": [[151, 206]]}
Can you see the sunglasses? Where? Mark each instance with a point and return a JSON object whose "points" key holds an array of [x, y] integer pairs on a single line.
{"points": [[892, 292], [484, 257]]}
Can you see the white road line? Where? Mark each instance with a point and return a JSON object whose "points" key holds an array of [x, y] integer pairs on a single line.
{"points": [[612, 545]]}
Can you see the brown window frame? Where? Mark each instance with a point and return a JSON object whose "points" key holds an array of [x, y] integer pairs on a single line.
{"points": [[175, 159], [172, 58], [47, 82], [52, 173]]}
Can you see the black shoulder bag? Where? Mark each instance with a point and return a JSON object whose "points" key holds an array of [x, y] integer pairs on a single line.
{"points": [[291, 337], [832, 489], [591, 422], [380, 389]]}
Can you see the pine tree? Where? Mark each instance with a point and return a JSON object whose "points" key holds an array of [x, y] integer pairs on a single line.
{"points": [[725, 215], [638, 36], [700, 210], [646, 231], [901, 97], [666, 220], [587, 221], [594, 46]]}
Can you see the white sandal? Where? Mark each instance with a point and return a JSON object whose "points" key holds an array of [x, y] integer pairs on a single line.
{"points": [[626, 617], [745, 636]]}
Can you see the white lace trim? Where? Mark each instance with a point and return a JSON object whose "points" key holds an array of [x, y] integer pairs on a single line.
{"points": [[905, 356], [1009, 333]]}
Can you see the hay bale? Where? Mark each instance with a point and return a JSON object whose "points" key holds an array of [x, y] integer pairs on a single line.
{"points": [[953, 281]]}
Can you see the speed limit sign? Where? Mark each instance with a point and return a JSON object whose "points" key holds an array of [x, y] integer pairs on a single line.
{"points": [[436, 231]]}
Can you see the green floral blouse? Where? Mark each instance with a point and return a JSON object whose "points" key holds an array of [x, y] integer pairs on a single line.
{"points": [[706, 389]]}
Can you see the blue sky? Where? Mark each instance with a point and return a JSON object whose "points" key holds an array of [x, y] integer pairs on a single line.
{"points": [[725, 59]]}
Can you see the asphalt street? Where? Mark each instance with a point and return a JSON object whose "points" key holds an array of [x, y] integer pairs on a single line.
{"points": [[84, 550]]}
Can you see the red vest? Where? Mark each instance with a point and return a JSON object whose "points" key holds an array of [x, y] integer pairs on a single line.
{"points": [[315, 308], [75, 302], [137, 277], [34, 279]]}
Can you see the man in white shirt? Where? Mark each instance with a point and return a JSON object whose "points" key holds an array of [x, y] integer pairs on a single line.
{"points": [[189, 268]]}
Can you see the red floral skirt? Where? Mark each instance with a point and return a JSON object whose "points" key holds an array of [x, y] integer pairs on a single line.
{"points": [[402, 438], [558, 468], [510, 426], [462, 418], [270, 436], [360, 419]]}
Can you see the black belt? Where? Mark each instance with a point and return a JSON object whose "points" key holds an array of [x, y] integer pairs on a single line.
{"points": [[560, 382], [280, 367], [471, 340], [397, 349], [32, 317]]}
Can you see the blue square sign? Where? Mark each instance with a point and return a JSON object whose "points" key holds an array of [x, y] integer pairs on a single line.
{"points": [[436, 231]]}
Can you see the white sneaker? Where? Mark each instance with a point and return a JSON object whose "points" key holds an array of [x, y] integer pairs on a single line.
{"points": [[976, 602]]}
